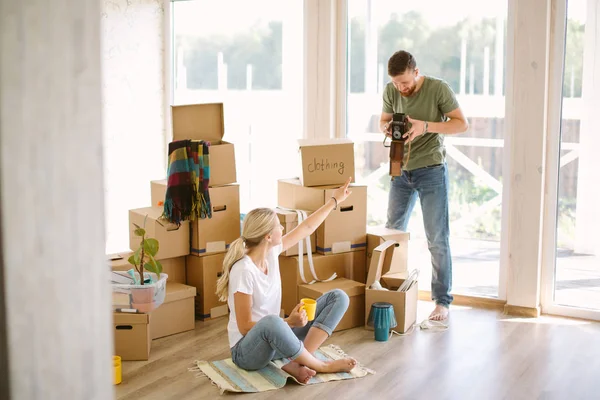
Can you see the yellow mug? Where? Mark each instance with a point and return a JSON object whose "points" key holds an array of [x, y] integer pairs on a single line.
{"points": [[310, 306], [117, 369]]}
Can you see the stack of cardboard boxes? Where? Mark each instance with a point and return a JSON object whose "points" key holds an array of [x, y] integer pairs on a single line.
{"points": [[191, 254], [340, 242]]}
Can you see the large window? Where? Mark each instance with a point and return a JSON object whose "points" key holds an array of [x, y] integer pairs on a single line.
{"points": [[249, 56], [577, 257], [461, 42]]}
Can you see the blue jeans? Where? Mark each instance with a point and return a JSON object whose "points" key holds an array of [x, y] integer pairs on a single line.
{"points": [[272, 338], [431, 185]]}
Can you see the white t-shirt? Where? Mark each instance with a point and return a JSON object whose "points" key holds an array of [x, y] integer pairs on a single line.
{"points": [[265, 289]]}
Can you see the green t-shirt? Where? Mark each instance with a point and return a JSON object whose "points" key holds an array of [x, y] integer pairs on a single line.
{"points": [[430, 103]]}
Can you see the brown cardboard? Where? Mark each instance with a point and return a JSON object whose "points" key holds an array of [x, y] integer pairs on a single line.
{"points": [[205, 122], [344, 229], [405, 303], [349, 265], [289, 221], [176, 314], [215, 234], [132, 336], [326, 161], [355, 314], [202, 273], [173, 241], [377, 235], [174, 267]]}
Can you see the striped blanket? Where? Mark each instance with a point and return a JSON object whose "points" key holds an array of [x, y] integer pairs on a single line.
{"points": [[228, 377], [188, 177]]}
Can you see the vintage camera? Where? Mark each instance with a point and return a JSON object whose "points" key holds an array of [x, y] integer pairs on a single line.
{"points": [[399, 125]]}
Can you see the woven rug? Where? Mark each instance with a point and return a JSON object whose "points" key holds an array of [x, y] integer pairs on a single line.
{"points": [[228, 377]]}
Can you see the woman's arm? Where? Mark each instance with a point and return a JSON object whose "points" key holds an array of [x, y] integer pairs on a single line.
{"points": [[308, 226], [243, 312]]}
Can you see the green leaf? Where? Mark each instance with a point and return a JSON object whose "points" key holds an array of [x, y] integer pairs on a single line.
{"points": [[154, 266], [136, 225], [134, 259], [151, 246], [139, 232]]}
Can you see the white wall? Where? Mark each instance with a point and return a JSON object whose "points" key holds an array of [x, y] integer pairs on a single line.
{"points": [[133, 109], [55, 277]]}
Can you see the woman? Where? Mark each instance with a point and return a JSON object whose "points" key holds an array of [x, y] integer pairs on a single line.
{"points": [[251, 284]]}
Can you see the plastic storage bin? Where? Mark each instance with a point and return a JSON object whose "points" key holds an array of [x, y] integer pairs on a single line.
{"points": [[142, 298]]}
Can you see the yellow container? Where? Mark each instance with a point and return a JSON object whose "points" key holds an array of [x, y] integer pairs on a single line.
{"points": [[117, 369]]}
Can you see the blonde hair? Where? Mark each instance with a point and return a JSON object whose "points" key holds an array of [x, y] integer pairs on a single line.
{"points": [[257, 224]]}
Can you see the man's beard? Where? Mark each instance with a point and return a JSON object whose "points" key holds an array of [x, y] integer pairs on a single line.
{"points": [[410, 91]]}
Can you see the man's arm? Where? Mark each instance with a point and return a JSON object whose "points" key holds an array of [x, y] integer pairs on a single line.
{"points": [[457, 123]]}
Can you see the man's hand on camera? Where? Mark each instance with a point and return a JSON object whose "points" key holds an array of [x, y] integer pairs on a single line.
{"points": [[386, 129], [417, 129]]}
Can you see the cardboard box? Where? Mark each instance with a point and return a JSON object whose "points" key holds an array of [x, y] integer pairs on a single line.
{"points": [[405, 303], [289, 220], [211, 235], [326, 161], [174, 267], [176, 314], [377, 235], [214, 235], [355, 314], [202, 273], [173, 241], [132, 336], [349, 265], [345, 229], [206, 122]]}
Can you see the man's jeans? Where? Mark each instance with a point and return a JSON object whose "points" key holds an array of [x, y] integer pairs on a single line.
{"points": [[431, 185], [272, 338]]}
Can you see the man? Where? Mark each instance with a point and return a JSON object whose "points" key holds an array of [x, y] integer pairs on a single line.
{"points": [[433, 111]]}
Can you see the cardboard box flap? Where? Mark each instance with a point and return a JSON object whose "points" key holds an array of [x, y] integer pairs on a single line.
{"points": [[381, 230], [155, 213], [376, 267], [352, 288], [323, 142], [198, 122], [130, 318], [178, 291]]}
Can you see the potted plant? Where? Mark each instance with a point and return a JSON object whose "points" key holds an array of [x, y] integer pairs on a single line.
{"points": [[143, 259]]}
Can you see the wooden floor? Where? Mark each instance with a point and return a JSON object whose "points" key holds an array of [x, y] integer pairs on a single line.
{"points": [[484, 355]]}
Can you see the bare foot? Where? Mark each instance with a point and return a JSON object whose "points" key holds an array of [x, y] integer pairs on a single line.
{"points": [[300, 372], [343, 365], [440, 313]]}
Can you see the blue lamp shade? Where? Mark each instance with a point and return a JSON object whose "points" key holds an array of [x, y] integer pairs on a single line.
{"points": [[382, 319]]}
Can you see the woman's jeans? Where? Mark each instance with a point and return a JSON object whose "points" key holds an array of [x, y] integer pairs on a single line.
{"points": [[431, 185], [272, 338]]}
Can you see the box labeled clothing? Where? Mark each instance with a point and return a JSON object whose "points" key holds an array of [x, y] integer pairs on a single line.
{"points": [[132, 336], [215, 234], [326, 161], [174, 267], [202, 273], [349, 265], [404, 302], [173, 240], [355, 314], [176, 314], [206, 122], [289, 221], [377, 235], [344, 229]]}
